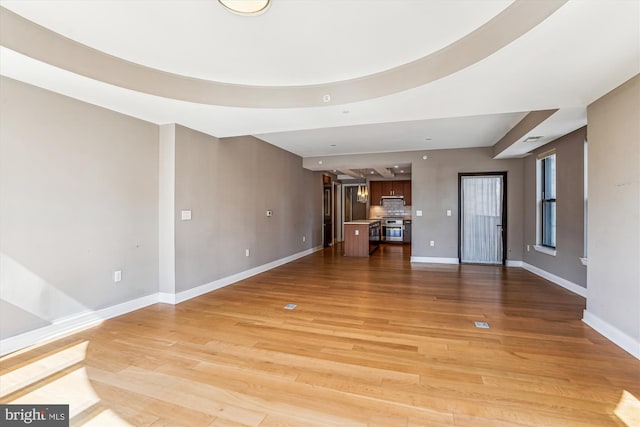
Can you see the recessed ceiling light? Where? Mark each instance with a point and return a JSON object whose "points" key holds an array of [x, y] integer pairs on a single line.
{"points": [[319, 162], [395, 166], [245, 7], [401, 171], [372, 172], [424, 157], [335, 170]]}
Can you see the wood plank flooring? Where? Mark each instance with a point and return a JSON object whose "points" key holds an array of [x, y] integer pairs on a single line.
{"points": [[373, 342]]}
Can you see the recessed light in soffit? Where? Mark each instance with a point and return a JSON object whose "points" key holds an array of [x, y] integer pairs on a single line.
{"points": [[246, 7]]}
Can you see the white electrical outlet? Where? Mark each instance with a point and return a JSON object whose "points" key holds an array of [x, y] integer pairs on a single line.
{"points": [[432, 243], [246, 252], [304, 238], [185, 215], [418, 213], [448, 212], [117, 276]]}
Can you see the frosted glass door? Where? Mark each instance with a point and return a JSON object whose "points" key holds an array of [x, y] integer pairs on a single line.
{"points": [[481, 222]]}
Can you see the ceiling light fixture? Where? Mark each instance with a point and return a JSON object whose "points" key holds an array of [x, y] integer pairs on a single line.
{"points": [[363, 193], [246, 7]]}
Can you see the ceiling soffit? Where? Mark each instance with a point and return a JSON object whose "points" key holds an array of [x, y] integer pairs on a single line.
{"points": [[28, 38]]}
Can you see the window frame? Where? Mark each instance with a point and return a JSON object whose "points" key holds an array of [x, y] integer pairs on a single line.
{"points": [[547, 201], [540, 203]]}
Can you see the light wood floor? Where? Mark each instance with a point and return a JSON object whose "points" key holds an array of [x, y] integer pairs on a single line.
{"points": [[372, 342]]}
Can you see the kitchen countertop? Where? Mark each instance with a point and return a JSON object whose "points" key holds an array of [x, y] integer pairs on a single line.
{"points": [[362, 221], [405, 218]]}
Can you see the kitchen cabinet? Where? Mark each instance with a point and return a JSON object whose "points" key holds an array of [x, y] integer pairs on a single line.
{"points": [[406, 192], [375, 193], [377, 189], [361, 238]]}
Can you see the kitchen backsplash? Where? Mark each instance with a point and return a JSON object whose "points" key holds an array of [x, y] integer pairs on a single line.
{"points": [[390, 208]]}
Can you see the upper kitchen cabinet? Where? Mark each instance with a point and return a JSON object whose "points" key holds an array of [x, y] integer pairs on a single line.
{"points": [[406, 189], [375, 192], [377, 189]]}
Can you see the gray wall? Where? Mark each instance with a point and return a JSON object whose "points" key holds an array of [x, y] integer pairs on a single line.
{"points": [[569, 209], [435, 189], [613, 275], [79, 200], [229, 184]]}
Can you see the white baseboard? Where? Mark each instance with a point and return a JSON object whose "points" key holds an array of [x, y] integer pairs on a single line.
{"points": [[513, 263], [570, 286], [87, 319], [434, 260], [613, 334], [72, 324], [225, 281]]}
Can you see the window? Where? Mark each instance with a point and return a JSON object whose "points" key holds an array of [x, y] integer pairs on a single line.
{"points": [[548, 201]]}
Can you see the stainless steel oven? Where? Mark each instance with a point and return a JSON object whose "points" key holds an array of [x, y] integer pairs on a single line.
{"points": [[392, 230]]}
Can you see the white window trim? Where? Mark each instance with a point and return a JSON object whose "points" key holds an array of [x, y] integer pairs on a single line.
{"points": [[545, 250], [538, 247]]}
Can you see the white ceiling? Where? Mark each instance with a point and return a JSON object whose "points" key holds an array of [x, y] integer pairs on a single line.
{"points": [[573, 57]]}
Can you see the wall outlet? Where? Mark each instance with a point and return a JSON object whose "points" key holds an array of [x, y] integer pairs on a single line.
{"points": [[357, 232], [246, 252], [418, 213], [432, 243], [185, 215], [448, 212], [117, 276], [304, 238]]}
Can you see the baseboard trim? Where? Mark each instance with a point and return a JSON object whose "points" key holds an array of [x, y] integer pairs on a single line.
{"points": [[226, 281], [72, 324], [513, 263], [570, 286], [434, 260], [613, 334]]}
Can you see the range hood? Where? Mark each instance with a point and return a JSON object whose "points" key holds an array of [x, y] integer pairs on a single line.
{"points": [[390, 200]]}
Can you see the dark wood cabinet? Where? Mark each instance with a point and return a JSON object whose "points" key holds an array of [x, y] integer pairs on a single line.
{"points": [[375, 193], [377, 189], [406, 185]]}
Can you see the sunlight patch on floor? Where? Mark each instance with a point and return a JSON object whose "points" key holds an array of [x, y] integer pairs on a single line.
{"points": [[628, 409], [58, 378], [40, 369]]}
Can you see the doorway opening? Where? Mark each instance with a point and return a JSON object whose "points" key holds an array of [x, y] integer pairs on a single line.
{"points": [[482, 220]]}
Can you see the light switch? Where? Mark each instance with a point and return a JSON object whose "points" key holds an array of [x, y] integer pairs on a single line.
{"points": [[117, 276], [448, 212], [432, 243], [185, 215], [357, 232], [418, 213]]}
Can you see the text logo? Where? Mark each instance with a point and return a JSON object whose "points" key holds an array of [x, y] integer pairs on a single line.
{"points": [[34, 415]]}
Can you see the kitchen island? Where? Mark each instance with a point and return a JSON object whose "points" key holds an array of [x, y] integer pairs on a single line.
{"points": [[361, 237]]}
